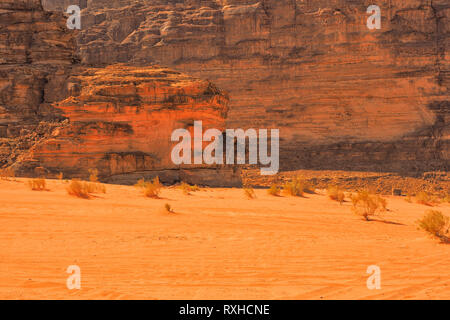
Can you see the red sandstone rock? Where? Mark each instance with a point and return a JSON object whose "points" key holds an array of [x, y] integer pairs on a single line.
{"points": [[343, 96], [121, 122], [36, 56]]}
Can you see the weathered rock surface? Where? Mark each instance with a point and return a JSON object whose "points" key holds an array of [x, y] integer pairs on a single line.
{"points": [[59, 116], [343, 96], [36, 57], [121, 119]]}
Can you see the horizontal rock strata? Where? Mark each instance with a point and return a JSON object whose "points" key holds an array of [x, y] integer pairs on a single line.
{"points": [[343, 96]]}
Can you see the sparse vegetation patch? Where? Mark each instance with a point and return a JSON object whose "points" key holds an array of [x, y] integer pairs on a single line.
{"points": [[297, 187], [249, 193], [368, 205], [334, 193], [274, 190], [187, 188], [150, 189], [37, 184], [426, 198], [436, 224]]}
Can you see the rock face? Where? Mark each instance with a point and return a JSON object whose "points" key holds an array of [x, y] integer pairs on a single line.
{"points": [[120, 121], [343, 96], [59, 116], [36, 57]]}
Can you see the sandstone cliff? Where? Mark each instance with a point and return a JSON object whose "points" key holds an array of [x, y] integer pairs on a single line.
{"points": [[121, 119], [36, 57], [343, 96], [59, 116]]}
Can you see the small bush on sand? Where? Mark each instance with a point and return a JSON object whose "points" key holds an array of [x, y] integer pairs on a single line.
{"points": [[93, 175], [168, 208], [297, 187], [150, 189], [249, 193], [187, 189], [436, 224], [291, 189], [78, 189], [367, 205], [37, 184], [274, 190], [95, 187], [334, 193], [141, 183], [7, 173], [84, 189], [426, 199], [307, 186]]}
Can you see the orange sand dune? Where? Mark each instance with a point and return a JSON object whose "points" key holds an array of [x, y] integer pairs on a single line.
{"points": [[217, 245]]}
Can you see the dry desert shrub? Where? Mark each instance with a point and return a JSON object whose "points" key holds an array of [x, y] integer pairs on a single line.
{"points": [[187, 188], [249, 193], [38, 184], [274, 190], [150, 189], [306, 186], [292, 189], [297, 187], [368, 205], [334, 193], [7, 173], [141, 183], [168, 208], [436, 224], [93, 175], [78, 189], [84, 189], [95, 187], [426, 199]]}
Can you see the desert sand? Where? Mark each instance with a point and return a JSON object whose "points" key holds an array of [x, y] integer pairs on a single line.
{"points": [[216, 245]]}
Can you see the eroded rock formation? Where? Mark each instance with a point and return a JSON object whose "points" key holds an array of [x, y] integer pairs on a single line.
{"points": [[121, 119], [343, 96], [59, 116], [36, 58]]}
